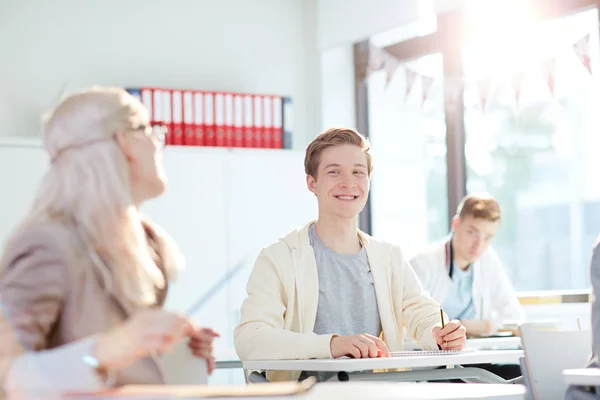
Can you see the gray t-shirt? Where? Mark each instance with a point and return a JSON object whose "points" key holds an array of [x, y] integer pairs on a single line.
{"points": [[347, 302]]}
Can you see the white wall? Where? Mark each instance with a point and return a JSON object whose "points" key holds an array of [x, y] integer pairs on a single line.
{"points": [[266, 46], [337, 87]]}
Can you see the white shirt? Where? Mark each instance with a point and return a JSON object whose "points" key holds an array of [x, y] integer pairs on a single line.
{"points": [[493, 295]]}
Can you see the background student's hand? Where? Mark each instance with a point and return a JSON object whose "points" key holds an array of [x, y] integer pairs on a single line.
{"points": [[478, 327], [452, 337], [146, 332], [358, 346], [201, 344]]}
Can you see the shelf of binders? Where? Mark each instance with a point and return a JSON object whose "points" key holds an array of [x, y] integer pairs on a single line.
{"points": [[219, 119]]}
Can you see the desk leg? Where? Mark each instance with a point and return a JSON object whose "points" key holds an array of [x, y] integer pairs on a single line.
{"points": [[423, 375], [257, 377]]}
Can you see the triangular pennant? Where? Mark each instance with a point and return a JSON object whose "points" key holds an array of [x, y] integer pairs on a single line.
{"points": [[516, 81], [426, 83], [376, 59], [483, 87], [582, 50], [411, 77], [391, 64], [548, 70]]}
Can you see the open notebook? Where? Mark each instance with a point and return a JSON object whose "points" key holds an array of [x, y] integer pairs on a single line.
{"points": [[420, 353]]}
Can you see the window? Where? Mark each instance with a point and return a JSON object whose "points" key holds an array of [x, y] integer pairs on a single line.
{"points": [[539, 156], [407, 131]]}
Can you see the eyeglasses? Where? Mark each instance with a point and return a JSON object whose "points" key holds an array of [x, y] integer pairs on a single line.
{"points": [[158, 132]]}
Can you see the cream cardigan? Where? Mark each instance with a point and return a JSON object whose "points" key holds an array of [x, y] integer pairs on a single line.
{"points": [[278, 316]]}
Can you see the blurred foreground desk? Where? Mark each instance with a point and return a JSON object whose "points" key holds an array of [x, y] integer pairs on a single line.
{"points": [[328, 391]]}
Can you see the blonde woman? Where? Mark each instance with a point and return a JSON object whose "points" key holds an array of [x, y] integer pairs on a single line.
{"points": [[83, 278]]}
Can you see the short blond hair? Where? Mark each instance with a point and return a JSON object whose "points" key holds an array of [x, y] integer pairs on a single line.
{"points": [[334, 137], [480, 206]]}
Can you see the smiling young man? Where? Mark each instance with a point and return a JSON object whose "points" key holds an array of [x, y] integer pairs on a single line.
{"points": [[464, 273], [329, 290]]}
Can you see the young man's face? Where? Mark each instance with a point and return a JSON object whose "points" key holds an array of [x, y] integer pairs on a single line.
{"points": [[342, 181], [472, 236]]}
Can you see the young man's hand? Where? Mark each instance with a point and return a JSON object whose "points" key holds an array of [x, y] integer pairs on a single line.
{"points": [[478, 327], [358, 346], [452, 337]]}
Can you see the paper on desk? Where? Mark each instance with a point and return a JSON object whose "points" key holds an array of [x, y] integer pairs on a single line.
{"points": [[181, 367], [202, 391]]}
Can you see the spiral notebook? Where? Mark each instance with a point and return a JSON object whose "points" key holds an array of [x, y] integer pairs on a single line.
{"points": [[423, 353]]}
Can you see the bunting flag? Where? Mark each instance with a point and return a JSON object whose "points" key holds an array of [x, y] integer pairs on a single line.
{"points": [[483, 87], [582, 50], [391, 64], [376, 59], [516, 81], [411, 77], [426, 84], [548, 70]]}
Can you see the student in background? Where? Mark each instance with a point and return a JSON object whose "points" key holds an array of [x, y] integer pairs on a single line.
{"points": [[583, 392], [464, 273], [328, 290], [84, 276]]}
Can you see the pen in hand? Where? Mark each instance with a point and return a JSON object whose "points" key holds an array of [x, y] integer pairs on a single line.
{"points": [[443, 325]]}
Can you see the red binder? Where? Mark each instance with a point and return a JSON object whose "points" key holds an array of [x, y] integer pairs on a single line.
{"points": [[209, 119], [238, 120], [248, 121], [177, 113], [268, 122], [277, 122], [229, 142], [219, 119], [199, 136], [258, 121], [167, 110], [188, 118]]}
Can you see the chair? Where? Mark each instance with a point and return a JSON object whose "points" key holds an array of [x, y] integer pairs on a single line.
{"points": [[547, 353]]}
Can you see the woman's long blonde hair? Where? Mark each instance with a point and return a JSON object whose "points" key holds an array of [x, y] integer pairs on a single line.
{"points": [[88, 184]]}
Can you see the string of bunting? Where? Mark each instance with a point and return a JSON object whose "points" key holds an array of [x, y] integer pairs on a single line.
{"points": [[379, 59]]}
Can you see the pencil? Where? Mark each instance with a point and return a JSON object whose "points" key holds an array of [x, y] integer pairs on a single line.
{"points": [[442, 317]]}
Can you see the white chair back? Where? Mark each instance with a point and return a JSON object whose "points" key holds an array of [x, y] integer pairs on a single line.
{"points": [[547, 353]]}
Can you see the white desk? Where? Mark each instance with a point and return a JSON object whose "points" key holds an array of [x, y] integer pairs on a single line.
{"points": [[582, 376], [413, 391], [365, 364], [226, 358], [354, 367]]}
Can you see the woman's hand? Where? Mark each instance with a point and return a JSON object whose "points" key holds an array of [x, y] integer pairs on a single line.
{"points": [[201, 344], [146, 332]]}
